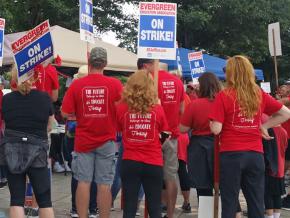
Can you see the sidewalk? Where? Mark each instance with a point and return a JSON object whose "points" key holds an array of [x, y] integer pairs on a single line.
{"points": [[61, 201]]}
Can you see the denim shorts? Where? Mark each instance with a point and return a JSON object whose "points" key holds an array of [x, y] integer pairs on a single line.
{"points": [[97, 165], [170, 159]]}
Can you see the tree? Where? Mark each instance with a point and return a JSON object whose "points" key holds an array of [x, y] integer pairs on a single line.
{"points": [[229, 27], [22, 15], [220, 27]]}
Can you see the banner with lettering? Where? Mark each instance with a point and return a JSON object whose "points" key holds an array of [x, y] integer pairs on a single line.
{"points": [[86, 21], [2, 28], [196, 63], [32, 49], [157, 30]]}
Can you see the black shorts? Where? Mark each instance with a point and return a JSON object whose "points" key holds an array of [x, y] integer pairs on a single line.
{"points": [[287, 153]]}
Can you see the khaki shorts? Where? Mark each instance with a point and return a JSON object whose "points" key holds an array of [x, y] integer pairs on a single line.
{"points": [[97, 165], [170, 159]]}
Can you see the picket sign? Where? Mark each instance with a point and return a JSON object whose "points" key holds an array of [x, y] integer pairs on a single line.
{"points": [[31, 50], [197, 66]]}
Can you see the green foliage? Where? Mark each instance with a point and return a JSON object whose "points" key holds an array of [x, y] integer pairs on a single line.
{"points": [[230, 27], [222, 27], [123, 79]]}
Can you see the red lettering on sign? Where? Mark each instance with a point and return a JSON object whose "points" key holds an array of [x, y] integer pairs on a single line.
{"points": [[157, 6], [30, 36]]}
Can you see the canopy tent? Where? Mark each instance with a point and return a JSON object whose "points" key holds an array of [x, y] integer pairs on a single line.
{"points": [[212, 64], [73, 51]]}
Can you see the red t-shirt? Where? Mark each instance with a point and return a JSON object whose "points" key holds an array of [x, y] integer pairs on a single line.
{"points": [[183, 141], [193, 96], [140, 134], [286, 125], [187, 100], [196, 116], [171, 94], [48, 80], [281, 138], [238, 132], [92, 99]]}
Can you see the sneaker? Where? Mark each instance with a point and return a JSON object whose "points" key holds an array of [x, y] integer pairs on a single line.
{"points": [[138, 213], [286, 203], [31, 212], [66, 167], [93, 213], [57, 168], [186, 208], [73, 213], [165, 216]]}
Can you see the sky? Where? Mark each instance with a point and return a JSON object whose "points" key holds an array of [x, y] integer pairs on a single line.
{"points": [[110, 37]]}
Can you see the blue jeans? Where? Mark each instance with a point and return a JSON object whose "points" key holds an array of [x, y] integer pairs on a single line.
{"points": [[117, 179]]}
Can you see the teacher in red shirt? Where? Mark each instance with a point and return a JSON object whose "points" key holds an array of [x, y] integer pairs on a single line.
{"points": [[201, 148], [236, 116], [141, 119]]}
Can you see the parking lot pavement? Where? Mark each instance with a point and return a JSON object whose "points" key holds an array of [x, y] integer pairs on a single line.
{"points": [[61, 201]]}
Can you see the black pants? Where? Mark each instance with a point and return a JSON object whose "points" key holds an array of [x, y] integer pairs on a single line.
{"points": [[40, 181], [245, 170], [204, 192], [133, 174], [183, 176], [273, 201], [56, 147]]}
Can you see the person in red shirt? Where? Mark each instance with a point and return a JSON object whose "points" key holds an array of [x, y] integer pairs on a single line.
{"points": [[191, 91], [92, 100], [3, 170], [171, 95], [236, 116], [141, 120], [201, 148], [48, 81], [286, 125], [183, 142], [274, 154]]}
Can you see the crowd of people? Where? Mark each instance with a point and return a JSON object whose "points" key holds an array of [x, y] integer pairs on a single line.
{"points": [[162, 134]]}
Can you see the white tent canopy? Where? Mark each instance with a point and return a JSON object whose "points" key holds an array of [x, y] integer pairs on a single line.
{"points": [[73, 51]]}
